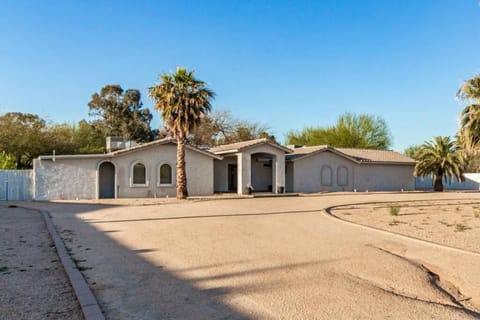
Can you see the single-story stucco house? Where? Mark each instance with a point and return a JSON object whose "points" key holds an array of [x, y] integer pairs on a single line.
{"points": [[149, 170], [324, 168], [145, 170]]}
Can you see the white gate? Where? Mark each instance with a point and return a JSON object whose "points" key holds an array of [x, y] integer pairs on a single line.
{"points": [[16, 185]]}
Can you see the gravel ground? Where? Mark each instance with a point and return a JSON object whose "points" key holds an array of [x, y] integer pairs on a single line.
{"points": [[33, 284], [455, 223], [270, 258]]}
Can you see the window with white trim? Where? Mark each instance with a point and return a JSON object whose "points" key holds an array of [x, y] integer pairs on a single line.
{"points": [[139, 174], [165, 174]]}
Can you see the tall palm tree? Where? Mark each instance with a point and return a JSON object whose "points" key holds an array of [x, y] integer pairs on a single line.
{"points": [[470, 115], [182, 101], [440, 158]]}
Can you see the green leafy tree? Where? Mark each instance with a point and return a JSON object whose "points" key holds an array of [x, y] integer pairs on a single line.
{"points": [[7, 161], [23, 136], [182, 101], [60, 137], [350, 131], [82, 138], [88, 139], [440, 158], [120, 113]]}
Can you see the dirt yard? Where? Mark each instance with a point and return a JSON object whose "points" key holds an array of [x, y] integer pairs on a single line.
{"points": [[454, 223], [33, 284]]}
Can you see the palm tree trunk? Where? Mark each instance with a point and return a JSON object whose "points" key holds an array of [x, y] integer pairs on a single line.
{"points": [[182, 192], [438, 185]]}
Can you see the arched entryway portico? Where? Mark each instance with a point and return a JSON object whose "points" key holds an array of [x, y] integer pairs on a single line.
{"points": [[106, 180], [261, 169], [263, 172], [256, 165]]}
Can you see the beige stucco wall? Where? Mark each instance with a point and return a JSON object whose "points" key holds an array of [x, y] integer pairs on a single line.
{"points": [[65, 179], [384, 177], [77, 178], [289, 176], [307, 171], [361, 177]]}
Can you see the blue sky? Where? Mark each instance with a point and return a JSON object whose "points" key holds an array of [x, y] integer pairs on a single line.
{"points": [[287, 64]]}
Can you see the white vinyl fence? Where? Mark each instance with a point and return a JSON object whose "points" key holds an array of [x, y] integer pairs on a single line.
{"points": [[16, 185], [472, 182]]}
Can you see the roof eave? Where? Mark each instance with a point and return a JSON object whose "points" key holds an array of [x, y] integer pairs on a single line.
{"points": [[166, 141], [225, 151], [388, 162], [75, 156], [343, 155], [206, 153], [274, 145]]}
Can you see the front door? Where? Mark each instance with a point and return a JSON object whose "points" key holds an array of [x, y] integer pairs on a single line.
{"points": [[232, 177], [106, 180]]}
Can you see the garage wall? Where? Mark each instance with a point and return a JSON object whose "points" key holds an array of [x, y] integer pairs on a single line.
{"points": [[311, 174], [307, 173], [384, 177]]}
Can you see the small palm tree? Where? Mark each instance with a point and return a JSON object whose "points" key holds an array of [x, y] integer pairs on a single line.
{"points": [[440, 158], [182, 101], [470, 115]]}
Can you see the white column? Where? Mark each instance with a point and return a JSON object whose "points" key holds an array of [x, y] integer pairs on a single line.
{"points": [[274, 174], [279, 172], [243, 172]]}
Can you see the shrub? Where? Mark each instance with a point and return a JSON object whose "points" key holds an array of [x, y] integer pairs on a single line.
{"points": [[394, 210]]}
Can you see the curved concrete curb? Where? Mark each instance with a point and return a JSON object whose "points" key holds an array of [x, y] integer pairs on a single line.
{"points": [[329, 213], [90, 308]]}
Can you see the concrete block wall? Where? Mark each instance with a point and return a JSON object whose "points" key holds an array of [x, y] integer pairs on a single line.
{"points": [[65, 179]]}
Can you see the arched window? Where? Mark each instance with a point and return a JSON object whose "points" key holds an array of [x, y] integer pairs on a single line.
{"points": [[326, 176], [139, 174], [165, 174], [342, 176]]}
